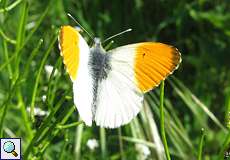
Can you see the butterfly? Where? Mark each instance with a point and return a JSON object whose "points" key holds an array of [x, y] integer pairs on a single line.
{"points": [[109, 86]]}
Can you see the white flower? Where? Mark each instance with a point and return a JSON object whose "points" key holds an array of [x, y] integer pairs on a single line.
{"points": [[30, 25], [38, 111], [49, 69], [44, 98], [143, 150], [92, 144]]}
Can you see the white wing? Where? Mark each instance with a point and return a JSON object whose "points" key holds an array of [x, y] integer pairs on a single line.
{"points": [[75, 52], [119, 100], [83, 85]]}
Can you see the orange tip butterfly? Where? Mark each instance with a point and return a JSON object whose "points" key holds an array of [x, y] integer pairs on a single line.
{"points": [[109, 86]]}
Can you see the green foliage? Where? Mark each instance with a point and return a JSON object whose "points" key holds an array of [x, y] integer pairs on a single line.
{"points": [[198, 98]]}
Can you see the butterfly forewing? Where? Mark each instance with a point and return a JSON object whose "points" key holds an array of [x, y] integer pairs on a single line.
{"points": [[75, 52], [136, 69]]}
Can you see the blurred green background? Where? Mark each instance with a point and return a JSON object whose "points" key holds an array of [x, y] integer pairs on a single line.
{"points": [[36, 101]]}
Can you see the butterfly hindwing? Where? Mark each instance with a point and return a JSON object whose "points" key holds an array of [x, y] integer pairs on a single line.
{"points": [[119, 100]]}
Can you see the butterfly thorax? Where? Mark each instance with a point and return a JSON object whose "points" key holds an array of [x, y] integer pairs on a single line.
{"points": [[99, 61], [99, 66]]}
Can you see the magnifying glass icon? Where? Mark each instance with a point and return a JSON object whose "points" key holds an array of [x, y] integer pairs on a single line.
{"points": [[9, 147]]}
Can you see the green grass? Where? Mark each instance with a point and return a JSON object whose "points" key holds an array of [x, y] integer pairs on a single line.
{"points": [[201, 145], [195, 98], [162, 122]]}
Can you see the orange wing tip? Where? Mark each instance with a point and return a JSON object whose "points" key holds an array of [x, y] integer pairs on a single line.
{"points": [[150, 48], [68, 45], [179, 62], [72, 77], [180, 59]]}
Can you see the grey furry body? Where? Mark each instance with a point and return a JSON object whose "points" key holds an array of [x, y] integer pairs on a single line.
{"points": [[99, 65]]}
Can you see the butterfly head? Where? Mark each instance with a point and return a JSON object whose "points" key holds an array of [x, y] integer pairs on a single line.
{"points": [[97, 42], [98, 45]]}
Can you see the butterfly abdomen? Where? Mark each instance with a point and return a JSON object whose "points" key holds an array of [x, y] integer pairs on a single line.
{"points": [[99, 66]]}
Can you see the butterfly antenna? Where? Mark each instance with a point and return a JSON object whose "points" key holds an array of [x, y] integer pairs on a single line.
{"points": [[80, 25], [127, 30]]}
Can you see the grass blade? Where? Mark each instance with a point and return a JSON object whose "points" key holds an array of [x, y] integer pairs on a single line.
{"points": [[121, 144], [66, 126], [187, 95], [39, 21], [224, 146], [201, 145], [20, 35], [154, 134], [5, 104], [103, 143], [52, 132], [10, 7], [162, 121], [43, 128], [6, 54], [78, 142], [138, 140], [7, 62], [39, 75], [6, 37]]}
